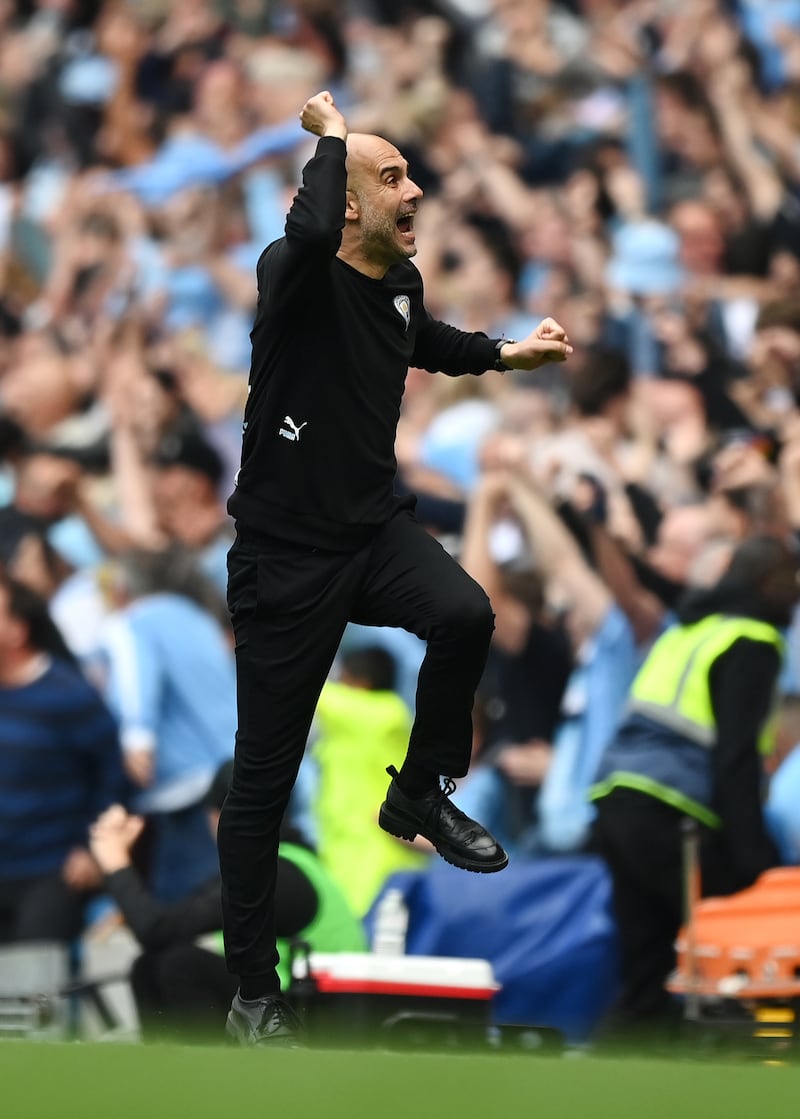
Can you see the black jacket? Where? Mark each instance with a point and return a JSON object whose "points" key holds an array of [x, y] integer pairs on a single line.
{"points": [[157, 925], [331, 350]]}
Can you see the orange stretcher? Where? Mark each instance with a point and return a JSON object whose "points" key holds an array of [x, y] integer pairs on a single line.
{"points": [[741, 952], [746, 945]]}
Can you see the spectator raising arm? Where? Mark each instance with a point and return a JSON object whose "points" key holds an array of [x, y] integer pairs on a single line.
{"points": [[729, 91], [642, 609], [790, 479], [559, 558], [489, 497]]}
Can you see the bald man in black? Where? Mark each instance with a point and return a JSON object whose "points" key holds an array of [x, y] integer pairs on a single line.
{"points": [[322, 539]]}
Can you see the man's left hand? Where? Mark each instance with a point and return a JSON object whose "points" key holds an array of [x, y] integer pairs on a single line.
{"points": [[80, 871], [549, 342], [112, 836]]}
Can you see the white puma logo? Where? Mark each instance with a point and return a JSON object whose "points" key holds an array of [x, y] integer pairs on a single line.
{"points": [[294, 435]]}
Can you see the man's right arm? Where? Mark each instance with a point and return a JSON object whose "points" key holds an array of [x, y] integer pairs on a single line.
{"points": [[313, 230], [316, 219], [314, 223]]}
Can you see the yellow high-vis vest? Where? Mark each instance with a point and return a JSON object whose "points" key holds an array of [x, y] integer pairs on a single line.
{"points": [[663, 746]]}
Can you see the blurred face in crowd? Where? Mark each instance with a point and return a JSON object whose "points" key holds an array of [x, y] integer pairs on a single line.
{"points": [[39, 389], [188, 223], [728, 203], [186, 504], [219, 101], [711, 563], [548, 236], [473, 277], [154, 405], [686, 128], [176, 487], [784, 270], [774, 357], [682, 534], [381, 199], [519, 17], [45, 485], [37, 565], [527, 412], [780, 589], [702, 243]]}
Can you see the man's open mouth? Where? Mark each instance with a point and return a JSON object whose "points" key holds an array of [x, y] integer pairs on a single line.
{"points": [[406, 223]]}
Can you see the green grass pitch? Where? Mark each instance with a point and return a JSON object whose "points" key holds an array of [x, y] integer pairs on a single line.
{"points": [[105, 1081]]}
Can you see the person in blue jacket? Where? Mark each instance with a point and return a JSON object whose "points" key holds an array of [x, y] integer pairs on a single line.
{"points": [[60, 765]]}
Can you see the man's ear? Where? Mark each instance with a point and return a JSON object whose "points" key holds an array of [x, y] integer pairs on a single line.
{"points": [[352, 211]]}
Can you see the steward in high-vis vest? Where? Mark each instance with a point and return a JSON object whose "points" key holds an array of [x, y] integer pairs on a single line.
{"points": [[697, 727], [665, 746]]}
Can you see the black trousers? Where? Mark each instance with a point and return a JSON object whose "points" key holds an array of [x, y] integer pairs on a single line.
{"points": [[43, 908], [289, 609], [641, 840], [181, 992]]}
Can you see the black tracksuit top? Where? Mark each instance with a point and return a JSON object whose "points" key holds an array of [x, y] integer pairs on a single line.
{"points": [[331, 350]]}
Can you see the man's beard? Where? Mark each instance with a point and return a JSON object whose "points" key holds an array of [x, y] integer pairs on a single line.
{"points": [[380, 240]]}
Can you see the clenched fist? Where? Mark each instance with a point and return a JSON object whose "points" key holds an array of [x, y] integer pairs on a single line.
{"points": [[320, 116], [549, 342]]}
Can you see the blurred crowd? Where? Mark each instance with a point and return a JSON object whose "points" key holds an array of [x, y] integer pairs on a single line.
{"points": [[630, 168]]}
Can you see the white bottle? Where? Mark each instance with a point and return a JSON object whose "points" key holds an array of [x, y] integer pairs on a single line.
{"points": [[391, 923]]}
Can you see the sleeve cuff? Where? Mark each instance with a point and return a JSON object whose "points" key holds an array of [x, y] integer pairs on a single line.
{"points": [[137, 738], [331, 144]]}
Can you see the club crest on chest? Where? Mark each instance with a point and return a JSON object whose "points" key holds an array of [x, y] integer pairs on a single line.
{"points": [[402, 304]]}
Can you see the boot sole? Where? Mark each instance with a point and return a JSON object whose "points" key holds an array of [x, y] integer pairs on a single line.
{"points": [[234, 1038], [404, 828], [232, 1034]]}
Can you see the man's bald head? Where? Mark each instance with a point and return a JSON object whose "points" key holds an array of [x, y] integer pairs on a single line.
{"points": [[366, 154], [380, 205]]}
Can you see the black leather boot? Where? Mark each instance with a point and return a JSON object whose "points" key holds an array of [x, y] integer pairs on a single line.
{"points": [[458, 839]]}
